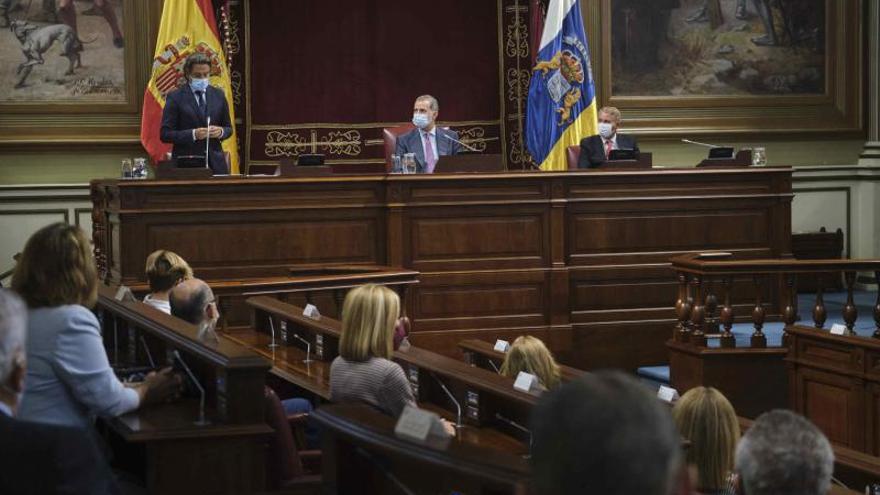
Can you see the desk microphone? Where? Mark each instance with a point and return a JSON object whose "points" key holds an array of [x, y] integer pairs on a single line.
{"points": [[308, 358], [514, 424], [207, 140], [469, 147], [458, 424], [707, 145], [202, 421], [492, 363], [272, 327], [147, 351]]}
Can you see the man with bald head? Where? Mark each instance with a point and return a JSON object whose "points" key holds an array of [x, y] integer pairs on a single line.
{"points": [[193, 300]]}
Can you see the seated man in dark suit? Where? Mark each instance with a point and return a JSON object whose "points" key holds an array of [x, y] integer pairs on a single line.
{"points": [[39, 458], [595, 149], [427, 141], [186, 112]]}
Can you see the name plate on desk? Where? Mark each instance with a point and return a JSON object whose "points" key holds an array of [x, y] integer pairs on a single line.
{"points": [[525, 382], [667, 394], [502, 345], [838, 329]]}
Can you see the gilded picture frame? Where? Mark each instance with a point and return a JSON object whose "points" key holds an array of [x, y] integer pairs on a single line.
{"points": [[835, 108], [92, 122]]}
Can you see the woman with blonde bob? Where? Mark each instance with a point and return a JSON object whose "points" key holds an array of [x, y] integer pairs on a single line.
{"points": [[363, 371], [69, 380], [165, 269], [707, 419], [529, 354]]}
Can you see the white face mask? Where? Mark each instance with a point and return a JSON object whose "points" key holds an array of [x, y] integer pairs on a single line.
{"points": [[606, 130], [421, 120]]}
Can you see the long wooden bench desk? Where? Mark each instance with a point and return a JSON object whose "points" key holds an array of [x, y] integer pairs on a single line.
{"points": [[163, 445], [579, 259], [488, 401], [361, 454], [482, 354]]}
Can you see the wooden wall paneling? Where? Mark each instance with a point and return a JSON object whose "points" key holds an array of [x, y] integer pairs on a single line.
{"points": [[833, 403]]}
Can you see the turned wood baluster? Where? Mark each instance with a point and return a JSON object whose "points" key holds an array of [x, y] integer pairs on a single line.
{"points": [[759, 340], [698, 317], [711, 311], [877, 307], [682, 310], [726, 317], [819, 312], [339, 299], [850, 313], [223, 307], [789, 314]]}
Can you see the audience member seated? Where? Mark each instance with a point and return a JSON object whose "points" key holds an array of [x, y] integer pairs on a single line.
{"points": [[606, 434], [69, 380], [707, 420], [783, 454], [165, 269], [39, 458], [363, 371], [529, 354], [193, 300]]}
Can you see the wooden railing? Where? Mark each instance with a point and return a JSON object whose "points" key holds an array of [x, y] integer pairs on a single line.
{"points": [[703, 314]]}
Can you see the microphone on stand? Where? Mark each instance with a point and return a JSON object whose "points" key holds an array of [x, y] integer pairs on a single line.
{"points": [[458, 424], [207, 140], [492, 363], [308, 358], [202, 421], [707, 145], [514, 424]]}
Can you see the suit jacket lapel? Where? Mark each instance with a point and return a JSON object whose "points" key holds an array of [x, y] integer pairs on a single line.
{"points": [[418, 148], [190, 96], [442, 143]]}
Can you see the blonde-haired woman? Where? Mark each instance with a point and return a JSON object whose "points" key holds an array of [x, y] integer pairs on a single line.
{"points": [[707, 419], [69, 379], [529, 354], [165, 269], [363, 371]]}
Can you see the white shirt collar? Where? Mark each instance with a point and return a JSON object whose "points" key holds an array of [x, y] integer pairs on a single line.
{"points": [[432, 132]]}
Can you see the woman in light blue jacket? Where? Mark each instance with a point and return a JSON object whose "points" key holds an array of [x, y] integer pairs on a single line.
{"points": [[69, 380]]}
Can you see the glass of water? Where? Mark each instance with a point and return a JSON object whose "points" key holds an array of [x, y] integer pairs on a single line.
{"points": [[139, 170], [409, 163], [127, 170], [759, 157], [395, 164]]}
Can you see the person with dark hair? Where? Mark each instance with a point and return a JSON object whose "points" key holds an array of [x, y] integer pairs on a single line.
{"points": [[783, 454], [186, 113], [36, 457], [165, 269], [605, 434], [70, 380]]}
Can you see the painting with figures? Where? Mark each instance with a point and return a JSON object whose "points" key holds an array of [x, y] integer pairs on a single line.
{"points": [[686, 48], [61, 51]]}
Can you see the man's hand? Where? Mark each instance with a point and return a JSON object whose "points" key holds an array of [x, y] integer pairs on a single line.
{"points": [[215, 132], [201, 133]]}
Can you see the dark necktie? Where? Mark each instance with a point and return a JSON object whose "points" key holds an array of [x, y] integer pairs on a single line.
{"points": [[200, 98]]}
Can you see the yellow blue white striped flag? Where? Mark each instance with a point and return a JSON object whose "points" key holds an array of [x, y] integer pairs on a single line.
{"points": [[561, 108]]}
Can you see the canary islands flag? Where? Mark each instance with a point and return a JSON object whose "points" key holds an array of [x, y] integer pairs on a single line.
{"points": [[562, 97], [187, 27]]}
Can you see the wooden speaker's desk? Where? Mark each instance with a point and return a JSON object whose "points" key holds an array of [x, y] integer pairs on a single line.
{"points": [[580, 259]]}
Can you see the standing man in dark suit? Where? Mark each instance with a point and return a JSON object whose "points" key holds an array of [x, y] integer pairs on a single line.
{"points": [[427, 141], [186, 112], [595, 149], [38, 458]]}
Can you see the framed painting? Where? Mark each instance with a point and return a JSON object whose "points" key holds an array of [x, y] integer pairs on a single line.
{"points": [[715, 67], [74, 70]]}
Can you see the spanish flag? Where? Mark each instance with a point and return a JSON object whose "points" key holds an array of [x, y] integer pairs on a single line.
{"points": [[187, 26], [561, 108]]}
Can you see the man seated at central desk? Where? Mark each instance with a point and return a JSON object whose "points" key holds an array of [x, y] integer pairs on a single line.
{"points": [[595, 150], [427, 141]]}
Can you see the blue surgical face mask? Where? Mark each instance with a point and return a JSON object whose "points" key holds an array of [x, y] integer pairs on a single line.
{"points": [[421, 120], [606, 130], [199, 84]]}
